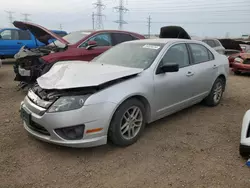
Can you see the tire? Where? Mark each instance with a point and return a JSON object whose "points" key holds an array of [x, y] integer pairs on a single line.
{"points": [[211, 99], [115, 130], [244, 151], [237, 72]]}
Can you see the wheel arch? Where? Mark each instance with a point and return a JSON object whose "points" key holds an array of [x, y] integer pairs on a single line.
{"points": [[223, 78], [140, 98]]}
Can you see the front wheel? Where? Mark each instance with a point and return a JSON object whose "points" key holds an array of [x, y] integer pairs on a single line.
{"points": [[215, 95], [127, 123]]}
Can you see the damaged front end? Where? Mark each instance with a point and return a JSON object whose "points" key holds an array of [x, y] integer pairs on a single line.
{"points": [[45, 98], [29, 66]]}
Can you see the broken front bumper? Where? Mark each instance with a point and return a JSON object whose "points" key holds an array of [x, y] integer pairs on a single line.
{"points": [[44, 126]]}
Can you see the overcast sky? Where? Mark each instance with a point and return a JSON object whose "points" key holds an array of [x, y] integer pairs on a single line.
{"points": [[202, 18]]}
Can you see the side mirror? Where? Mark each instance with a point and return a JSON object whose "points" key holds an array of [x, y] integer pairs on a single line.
{"points": [[170, 67], [91, 44]]}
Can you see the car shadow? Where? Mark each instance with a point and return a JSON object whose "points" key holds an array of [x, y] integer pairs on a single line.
{"points": [[109, 147]]}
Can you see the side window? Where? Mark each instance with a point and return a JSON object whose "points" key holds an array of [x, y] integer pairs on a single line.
{"points": [[121, 37], [102, 39], [200, 53], [177, 54], [24, 35], [5, 35], [211, 56], [211, 43]]}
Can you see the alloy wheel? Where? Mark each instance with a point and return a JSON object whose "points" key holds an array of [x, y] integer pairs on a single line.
{"points": [[131, 122]]}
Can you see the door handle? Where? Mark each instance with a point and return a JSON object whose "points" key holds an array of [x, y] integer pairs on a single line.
{"points": [[215, 66], [190, 73]]}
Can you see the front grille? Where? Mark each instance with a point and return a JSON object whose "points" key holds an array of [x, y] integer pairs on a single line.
{"points": [[38, 128], [247, 61]]}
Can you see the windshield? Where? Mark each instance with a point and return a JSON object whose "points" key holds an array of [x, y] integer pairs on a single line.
{"points": [[73, 37], [135, 55]]}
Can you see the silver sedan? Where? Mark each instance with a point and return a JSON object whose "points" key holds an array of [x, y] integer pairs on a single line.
{"points": [[83, 104]]}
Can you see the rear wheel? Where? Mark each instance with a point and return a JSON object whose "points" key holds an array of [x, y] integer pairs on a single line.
{"points": [[214, 98], [127, 123]]}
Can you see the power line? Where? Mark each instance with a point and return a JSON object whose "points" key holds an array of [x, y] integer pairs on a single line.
{"points": [[99, 7], [26, 19], [177, 22], [121, 9], [10, 16]]}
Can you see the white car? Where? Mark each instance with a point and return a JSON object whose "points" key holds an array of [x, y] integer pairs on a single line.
{"points": [[245, 136]]}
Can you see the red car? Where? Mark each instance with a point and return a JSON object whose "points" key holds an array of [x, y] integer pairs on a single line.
{"points": [[241, 63], [79, 45]]}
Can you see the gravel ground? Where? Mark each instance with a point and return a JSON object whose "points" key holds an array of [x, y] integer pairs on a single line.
{"points": [[197, 147]]}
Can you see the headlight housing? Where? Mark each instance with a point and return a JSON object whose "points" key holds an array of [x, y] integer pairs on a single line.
{"points": [[68, 103]]}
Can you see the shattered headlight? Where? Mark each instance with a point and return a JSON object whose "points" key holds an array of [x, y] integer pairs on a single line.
{"points": [[68, 103]]}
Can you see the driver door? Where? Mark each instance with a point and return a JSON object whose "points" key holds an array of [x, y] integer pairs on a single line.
{"points": [[173, 90]]}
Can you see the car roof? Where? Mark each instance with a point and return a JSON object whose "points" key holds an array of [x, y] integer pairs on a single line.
{"points": [[163, 40]]}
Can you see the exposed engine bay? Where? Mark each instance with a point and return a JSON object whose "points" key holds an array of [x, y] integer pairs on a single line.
{"points": [[29, 66]]}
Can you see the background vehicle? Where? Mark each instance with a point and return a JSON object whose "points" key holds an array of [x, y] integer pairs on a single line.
{"points": [[230, 44], [81, 45], [245, 136], [245, 48], [136, 82], [12, 39], [215, 44], [241, 63]]}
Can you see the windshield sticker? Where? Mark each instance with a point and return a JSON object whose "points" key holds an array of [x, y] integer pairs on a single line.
{"points": [[151, 46]]}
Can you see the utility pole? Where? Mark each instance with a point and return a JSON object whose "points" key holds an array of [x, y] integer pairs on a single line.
{"points": [[99, 7], [26, 19], [149, 26], [60, 27], [121, 9], [10, 16], [93, 20]]}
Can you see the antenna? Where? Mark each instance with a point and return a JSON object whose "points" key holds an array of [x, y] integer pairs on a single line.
{"points": [[99, 7], [121, 9]]}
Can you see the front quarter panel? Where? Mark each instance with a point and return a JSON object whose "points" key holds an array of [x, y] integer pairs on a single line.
{"points": [[140, 85]]}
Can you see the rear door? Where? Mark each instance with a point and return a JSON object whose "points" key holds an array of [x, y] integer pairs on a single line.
{"points": [[26, 39], [204, 68], [121, 37]]}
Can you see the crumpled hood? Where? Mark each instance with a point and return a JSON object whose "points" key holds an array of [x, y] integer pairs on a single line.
{"points": [[77, 74], [42, 34]]}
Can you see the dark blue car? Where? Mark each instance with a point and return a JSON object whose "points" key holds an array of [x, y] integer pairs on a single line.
{"points": [[12, 39]]}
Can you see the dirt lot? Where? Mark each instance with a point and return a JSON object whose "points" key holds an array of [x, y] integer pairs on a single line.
{"points": [[197, 147]]}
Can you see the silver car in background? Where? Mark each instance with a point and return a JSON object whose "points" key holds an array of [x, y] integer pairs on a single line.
{"points": [[81, 104], [215, 44]]}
